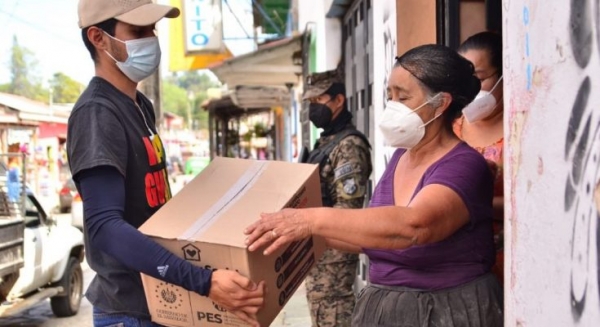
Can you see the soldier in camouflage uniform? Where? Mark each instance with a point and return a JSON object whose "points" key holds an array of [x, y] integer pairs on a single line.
{"points": [[344, 158]]}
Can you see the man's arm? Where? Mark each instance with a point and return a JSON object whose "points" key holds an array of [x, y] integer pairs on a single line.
{"points": [[351, 163], [352, 168], [103, 193]]}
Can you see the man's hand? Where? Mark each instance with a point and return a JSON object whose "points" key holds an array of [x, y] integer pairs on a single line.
{"points": [[238, 294]]}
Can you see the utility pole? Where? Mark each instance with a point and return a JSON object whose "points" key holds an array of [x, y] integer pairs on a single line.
{"points": [[190, 108], [286, 145], [151, 87]]}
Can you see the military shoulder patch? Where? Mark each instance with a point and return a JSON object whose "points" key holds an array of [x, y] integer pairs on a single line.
{"points": [[344, 170], [350, 186]]}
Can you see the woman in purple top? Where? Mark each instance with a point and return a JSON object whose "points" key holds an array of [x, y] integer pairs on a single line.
{"points": [[428, 230]]}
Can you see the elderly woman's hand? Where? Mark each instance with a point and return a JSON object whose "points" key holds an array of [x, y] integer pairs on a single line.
{"points": [[278, 229]]}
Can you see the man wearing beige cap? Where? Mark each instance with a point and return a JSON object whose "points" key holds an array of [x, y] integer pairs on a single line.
{"points": [[118, 164]]}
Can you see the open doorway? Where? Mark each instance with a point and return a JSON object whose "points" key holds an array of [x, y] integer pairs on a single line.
{"points": [[459, 19]]}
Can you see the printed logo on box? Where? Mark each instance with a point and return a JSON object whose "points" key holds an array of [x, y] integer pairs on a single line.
{"points": [[168, 296], [191, 253], [295, 262], [219, 308], [210, 317]]}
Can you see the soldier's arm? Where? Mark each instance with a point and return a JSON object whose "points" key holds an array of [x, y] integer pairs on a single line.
{"points": [[342, 246], [351, 163]]}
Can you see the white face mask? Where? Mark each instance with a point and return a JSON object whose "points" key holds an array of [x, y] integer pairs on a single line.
{"points": [[482, 106], [401, 126], [143, 57]]}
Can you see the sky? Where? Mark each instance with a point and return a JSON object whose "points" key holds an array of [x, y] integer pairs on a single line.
{"points": [[49, 29]]}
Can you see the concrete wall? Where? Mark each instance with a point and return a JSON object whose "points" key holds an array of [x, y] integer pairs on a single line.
{"points": [[327, 30], [385, 49], [552, 120]]}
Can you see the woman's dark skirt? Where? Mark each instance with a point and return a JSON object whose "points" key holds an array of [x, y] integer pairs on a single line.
{"points": [[478, 303]]}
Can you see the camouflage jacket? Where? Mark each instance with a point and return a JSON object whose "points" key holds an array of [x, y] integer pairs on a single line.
{"points": [[345, 173]]}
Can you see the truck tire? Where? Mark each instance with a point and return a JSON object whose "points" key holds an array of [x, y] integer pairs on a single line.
{"points": [[6, 284], [72, 282]]}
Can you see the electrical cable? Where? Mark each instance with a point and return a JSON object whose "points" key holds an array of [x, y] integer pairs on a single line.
{"points": [[38, 27], [261, 10], [237, 19]]}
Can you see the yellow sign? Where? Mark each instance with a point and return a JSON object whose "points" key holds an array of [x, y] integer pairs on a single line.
{"points": [[178, 60]]}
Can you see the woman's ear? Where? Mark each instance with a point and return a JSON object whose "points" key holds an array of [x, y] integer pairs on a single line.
{"points": [[443, 102]]}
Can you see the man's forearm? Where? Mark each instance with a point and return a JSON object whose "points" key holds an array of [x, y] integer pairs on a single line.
{"points": [[103, 193]]}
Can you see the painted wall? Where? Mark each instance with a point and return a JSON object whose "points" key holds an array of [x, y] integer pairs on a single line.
{"points": [[385, 47], [325, 51], [415, 29], [472, 18], [552, 177]]}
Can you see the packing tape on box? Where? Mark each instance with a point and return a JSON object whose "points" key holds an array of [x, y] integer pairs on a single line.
{"points": [[241, 186]]}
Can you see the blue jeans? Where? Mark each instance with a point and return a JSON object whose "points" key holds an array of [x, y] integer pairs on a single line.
{"points": [[103, 319]]}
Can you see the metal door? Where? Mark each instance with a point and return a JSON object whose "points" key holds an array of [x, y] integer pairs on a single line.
{"points": [[357, 51]]}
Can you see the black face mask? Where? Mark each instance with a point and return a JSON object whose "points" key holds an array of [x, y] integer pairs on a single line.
{"points": [[319, 114]]}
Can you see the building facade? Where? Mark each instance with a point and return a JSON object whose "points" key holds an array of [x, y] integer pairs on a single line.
{"points": [[552, 179]]}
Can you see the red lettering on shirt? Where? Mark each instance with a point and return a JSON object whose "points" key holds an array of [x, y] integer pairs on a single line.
{"points": [[160, 186], [152, 160], [158, 191], [151, 195]]}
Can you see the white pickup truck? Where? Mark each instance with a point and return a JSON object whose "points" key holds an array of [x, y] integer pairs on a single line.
{"points": [[49, 262]]}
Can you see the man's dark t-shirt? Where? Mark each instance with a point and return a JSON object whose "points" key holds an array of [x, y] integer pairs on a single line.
{"points": [[106, 128]]}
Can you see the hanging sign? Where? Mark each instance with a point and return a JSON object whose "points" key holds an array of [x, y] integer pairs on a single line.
{"points": [[203, 26]]}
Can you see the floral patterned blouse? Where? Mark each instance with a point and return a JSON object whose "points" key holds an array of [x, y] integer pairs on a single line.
{"points": [[494, 153]]}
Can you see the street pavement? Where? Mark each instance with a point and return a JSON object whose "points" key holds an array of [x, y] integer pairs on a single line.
{"points": [[294, 314]]}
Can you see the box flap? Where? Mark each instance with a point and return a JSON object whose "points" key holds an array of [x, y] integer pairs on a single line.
{"points": [[227, 196], [197, 197]]}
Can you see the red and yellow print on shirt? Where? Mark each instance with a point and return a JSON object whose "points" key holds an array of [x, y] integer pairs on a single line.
{"points": [[158, 191]]}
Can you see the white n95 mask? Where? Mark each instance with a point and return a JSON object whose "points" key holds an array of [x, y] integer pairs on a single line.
{"points": [[143, 57], [482, 106], [401, 126]]}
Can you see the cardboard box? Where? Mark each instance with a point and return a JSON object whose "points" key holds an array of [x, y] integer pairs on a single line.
{"points": [[204, 224]]}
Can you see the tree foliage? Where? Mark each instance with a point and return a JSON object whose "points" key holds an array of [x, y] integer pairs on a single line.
{"points": [[64, 88], [23, 80], [174, 99], [188, 91]]}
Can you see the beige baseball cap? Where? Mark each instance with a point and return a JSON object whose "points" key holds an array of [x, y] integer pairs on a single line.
{"points": [[134, 12]]}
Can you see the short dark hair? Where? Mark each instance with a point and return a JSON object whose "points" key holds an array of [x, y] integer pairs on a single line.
{"points": [[486, 41], [335, 89], [338, 89], [108, 26], [441, 69]]}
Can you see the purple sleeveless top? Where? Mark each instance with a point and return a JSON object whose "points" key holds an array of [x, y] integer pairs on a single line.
{"points": [[462, 257]]}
